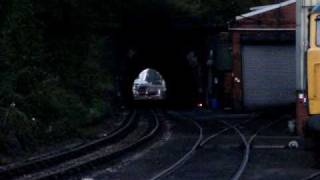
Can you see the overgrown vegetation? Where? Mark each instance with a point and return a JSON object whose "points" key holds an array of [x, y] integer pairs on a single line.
{"points": [[54, 80], [57, 61]]}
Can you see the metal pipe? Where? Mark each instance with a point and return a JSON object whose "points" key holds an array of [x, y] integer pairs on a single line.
{"points": [[300, 45]]}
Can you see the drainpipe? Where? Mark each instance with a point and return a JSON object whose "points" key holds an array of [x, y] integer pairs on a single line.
{"points": [[301, 47]]}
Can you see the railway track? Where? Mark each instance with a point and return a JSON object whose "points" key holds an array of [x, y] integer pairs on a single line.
{"points": [[313, 176], [132, 133], [186, 156], [246, 140], [201, 141]]}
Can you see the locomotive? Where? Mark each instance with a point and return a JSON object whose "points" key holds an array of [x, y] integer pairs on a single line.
{"points": [[313, 71]]}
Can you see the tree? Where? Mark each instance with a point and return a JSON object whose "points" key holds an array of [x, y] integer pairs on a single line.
{"points": [[57, 58]]}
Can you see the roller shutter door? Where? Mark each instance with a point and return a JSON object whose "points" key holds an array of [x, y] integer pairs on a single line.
{"points": [[268, 75]]}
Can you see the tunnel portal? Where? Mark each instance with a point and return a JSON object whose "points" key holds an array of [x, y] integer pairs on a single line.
{"points": [[177, 54]]}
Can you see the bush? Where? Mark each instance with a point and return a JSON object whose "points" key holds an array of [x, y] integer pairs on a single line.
{"points": [[58, 83]]}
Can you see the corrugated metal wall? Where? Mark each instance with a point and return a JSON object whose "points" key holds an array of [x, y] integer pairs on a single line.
{"points": [[268, 75]]}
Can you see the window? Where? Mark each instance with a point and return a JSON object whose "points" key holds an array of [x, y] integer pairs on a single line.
{"points": [[318, 30]]}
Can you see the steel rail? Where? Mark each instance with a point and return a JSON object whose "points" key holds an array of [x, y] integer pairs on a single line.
{"points": [[185, 157], [69, 171], [19, 169], [211, 137], [199, 143], [247, 143], [247, 153], [312, 176]]}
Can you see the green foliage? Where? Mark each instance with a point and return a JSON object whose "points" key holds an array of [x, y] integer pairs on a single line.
{"points": [[57, 59], [57, 83], [2, 143], [215, 12]]}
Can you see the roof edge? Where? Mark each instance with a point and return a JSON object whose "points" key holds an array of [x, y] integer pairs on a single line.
{"points": [[268, 8], [262, 29]]}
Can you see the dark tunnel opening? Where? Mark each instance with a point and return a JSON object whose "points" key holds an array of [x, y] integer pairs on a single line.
{"points": [[177, 54]]}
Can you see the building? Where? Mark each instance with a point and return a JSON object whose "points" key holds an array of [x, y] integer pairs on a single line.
{"points": [[263, 50]]}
